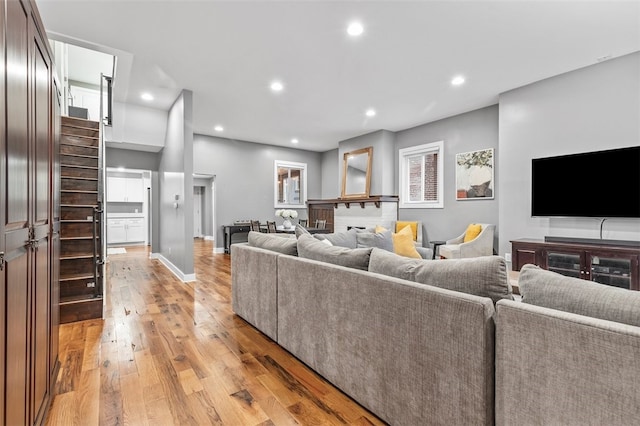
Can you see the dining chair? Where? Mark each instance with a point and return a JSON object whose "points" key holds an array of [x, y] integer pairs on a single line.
{"points": [[303, 222], [321, 224], [271, 227], [255, 226]]}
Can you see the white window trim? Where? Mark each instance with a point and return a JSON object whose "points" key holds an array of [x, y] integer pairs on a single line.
{"points": [[293, 165], [403, 155]]}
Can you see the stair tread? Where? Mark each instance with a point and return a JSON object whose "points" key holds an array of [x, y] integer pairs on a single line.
{"points": [[80, 191], [78, 256], [77, 238], [75, 277], [79, 155], [79, 136], [78, 178], [78, 167], [76, 221], [67, 300], [78, 205]]}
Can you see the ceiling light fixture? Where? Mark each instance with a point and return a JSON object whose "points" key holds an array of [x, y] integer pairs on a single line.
{"points": [[355, 29], [276, 86], [370, 112], [218, 128], [294, 140], [458, 80], [147, 96]]}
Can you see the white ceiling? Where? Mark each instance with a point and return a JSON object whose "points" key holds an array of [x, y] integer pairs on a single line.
{"points": [[228, 52]]}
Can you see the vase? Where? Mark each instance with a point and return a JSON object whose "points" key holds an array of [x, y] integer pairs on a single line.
{"points": [[286, 224]]}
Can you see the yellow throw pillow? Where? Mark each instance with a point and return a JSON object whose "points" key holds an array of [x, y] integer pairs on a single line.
{"points": [[380, 229], [403, 243], [472, 232], [412, 225]]}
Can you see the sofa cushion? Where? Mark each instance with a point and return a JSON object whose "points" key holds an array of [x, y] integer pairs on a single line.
{"points": [[312, 248], [375, 239], [281, 243], [482, 276], [403, 243], [552, 290], [342, 239]]}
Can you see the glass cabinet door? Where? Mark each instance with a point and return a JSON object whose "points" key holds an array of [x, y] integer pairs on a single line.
{"points": [[564, 263], [609, 270]]}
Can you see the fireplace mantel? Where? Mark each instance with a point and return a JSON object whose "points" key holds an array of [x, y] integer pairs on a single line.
{"points": [[377, 200]]}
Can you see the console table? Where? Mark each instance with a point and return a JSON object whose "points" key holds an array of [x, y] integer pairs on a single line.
{"points": [[229, 230], [610, 262]]}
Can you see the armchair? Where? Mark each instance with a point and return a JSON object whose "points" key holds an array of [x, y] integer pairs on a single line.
{"points": [[482, 245]]}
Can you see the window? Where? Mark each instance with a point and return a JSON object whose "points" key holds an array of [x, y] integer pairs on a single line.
{"points": [[290, 184], [421, 176]]}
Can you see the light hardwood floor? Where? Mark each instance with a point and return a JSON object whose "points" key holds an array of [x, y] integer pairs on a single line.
{"points": [[170, 353]]}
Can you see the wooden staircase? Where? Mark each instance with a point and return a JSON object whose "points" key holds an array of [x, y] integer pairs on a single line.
{"points": [[81, 270]]}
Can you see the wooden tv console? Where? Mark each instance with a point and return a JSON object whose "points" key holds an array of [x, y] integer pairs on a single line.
{"points": [[610, 262]]}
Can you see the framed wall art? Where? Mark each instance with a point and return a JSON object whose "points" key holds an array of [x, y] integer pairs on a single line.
{"points": [[474, 175]]}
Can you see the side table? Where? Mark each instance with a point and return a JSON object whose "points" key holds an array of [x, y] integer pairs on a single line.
{"points": [[436, 243]]}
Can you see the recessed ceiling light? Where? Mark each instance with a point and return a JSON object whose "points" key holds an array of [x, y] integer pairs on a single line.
{"points": [[355, 29], [370, 112], [147, 96], [218, 128], [294, 140], [457, 80], [276, 86]]}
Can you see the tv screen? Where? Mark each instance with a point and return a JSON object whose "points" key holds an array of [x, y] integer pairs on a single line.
{"points": [[602, 184]]}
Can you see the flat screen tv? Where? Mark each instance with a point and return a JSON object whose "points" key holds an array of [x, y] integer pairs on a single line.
{"points": [[603, 184]]}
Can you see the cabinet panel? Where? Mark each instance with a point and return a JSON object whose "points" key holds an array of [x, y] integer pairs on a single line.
{"points": [[124, 190], [116, 232], [135, 230]]}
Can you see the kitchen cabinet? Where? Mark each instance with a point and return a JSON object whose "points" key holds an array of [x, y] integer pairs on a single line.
{"points": [[125, 230], [125, 189]]}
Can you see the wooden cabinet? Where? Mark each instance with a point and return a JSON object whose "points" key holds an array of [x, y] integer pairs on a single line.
{"points": [[320, 210], [606, 262], [29, 173], [125, 189], [125, 230]]}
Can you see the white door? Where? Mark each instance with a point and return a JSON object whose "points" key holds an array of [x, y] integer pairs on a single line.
{"points": [[197, 213]]}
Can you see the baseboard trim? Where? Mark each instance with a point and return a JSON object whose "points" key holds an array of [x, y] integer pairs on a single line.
{"points": [[208, 237], [218, 250], [173, 268]]}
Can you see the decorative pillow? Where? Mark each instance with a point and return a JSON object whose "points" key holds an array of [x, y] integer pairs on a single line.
{"points": [[413, 225], [375, 239], [403, 243], [301, 230], [281, 243], [380, 229], [312, 248], [484, 276], [472, 232], [552, 290], [342, 239]]}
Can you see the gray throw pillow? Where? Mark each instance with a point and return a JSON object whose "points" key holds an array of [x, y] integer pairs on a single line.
{"points": [[312, 248], [301, 230], [342, 239], [484, 276], [552, 290], [281, 243], [380, 240]]}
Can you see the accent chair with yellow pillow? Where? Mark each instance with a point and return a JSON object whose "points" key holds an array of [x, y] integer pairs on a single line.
{"points": [[476, 240]]}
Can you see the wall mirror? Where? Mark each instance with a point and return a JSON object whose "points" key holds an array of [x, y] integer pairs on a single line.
{"points": [[356, 173], [290, 184]]}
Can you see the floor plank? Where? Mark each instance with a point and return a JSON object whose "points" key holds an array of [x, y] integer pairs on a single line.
{"points": [[173, 353]]}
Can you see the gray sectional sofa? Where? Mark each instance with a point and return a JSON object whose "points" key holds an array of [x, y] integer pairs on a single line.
{"points": [[422, 342]]}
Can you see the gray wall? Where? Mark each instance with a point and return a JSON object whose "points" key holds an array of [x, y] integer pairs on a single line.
{"points": [[591, 109], [330, 174], [382, 166], [244, 178], [462, 133], [176, 179]]}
